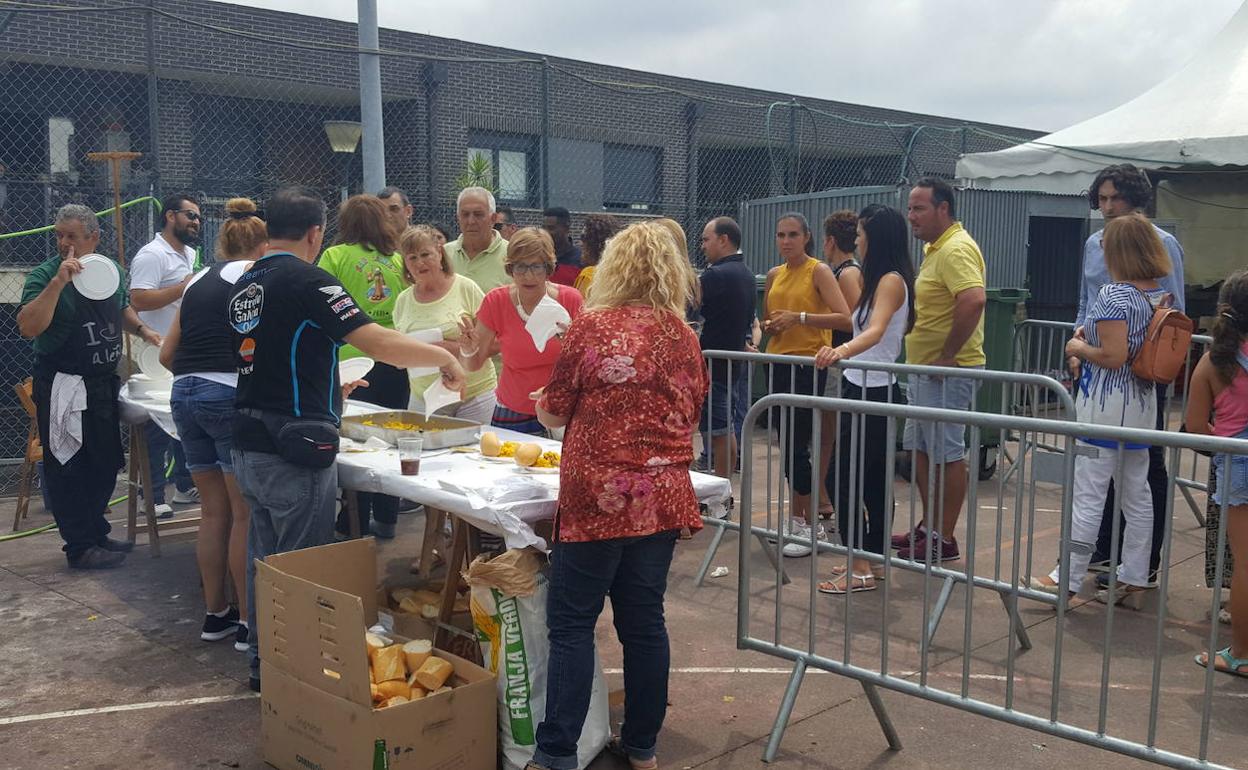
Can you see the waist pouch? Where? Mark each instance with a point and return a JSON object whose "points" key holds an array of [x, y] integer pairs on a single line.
{"points": [[298, 441]]}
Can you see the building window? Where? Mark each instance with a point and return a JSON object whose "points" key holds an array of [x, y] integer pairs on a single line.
{"points": [[512, 164], [630, 177], [60, 134]]}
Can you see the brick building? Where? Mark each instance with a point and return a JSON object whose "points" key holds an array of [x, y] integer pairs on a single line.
{"points": [[234, 112]]}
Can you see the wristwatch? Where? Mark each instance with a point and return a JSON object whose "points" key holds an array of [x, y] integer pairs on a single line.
{"points": [[801, 318]]}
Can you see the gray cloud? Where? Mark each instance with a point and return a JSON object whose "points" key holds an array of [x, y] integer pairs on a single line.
{"points": [[1041, 64]]}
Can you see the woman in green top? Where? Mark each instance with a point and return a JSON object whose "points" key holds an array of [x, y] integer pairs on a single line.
{"points": [[437, 299], [364, 260]]}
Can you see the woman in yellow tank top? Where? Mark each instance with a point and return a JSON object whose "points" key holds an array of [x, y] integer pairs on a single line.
{"points": [[801, 305]]}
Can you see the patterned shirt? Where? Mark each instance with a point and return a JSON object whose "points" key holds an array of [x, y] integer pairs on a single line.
{"points": [[633, 384], [1117, 396]]}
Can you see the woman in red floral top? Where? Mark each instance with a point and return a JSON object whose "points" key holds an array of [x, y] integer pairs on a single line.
{"points": [[629, 386]]}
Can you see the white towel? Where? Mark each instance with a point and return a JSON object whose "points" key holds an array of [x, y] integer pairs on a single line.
{"points": [[69, 401]]}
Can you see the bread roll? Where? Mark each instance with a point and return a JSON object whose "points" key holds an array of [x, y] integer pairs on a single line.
{"points": [[388, 664], [394, 687], [378, 699], [440, 690], [417, 652], [399, 594], [396, 700], [418, 692], [527, 454], [434, 672], [429, 611], [374, 643]]}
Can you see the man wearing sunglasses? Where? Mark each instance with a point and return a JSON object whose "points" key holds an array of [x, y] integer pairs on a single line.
{"points": [[159, 273]]}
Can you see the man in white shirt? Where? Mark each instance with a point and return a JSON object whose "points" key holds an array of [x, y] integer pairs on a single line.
{"points": [[159, 273]]}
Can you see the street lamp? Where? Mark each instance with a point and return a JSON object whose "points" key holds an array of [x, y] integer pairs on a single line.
{"points": [[344, 137]]}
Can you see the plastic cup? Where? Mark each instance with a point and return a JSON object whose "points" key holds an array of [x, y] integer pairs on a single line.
{"points": [[409, 454]]}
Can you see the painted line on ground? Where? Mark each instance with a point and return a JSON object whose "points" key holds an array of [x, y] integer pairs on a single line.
{"points": [[160, 704]]}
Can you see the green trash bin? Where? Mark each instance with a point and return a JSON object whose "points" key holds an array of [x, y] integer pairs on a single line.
{"points": [[1004, 308]]}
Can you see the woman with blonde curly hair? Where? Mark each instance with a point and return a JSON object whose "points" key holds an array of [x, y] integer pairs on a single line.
{"points": [[629, 386]]}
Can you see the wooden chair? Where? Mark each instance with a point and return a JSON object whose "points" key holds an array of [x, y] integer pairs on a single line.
{"points": [[33, 455]]}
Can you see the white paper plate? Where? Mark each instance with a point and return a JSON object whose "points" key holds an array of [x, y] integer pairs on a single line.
{"points": [[487, 458], [149, 363], [354, 368], [99, 278], [532, 469]]}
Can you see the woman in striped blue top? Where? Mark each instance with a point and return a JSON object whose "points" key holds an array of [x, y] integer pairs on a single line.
{"points": [[1109, 393]]}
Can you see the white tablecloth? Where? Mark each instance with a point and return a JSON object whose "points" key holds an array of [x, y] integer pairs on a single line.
{"points": [[496, 497]]}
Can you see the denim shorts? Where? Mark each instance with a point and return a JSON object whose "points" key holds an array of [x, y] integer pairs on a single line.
{"points": [[203, 410], [715, 418], [1233, 487], [941, 442]]}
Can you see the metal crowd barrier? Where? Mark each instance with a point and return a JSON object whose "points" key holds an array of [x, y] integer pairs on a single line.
{"points": [[1039, 348], [1036, 389], [882, 645]]}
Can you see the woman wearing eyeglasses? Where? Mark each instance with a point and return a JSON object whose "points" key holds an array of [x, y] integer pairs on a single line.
{"points": [[500, 326]]}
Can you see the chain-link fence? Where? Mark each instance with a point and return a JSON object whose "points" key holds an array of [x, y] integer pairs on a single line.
{"points": [[225, 100]]}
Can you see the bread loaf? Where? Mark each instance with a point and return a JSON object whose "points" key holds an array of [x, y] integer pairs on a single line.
{"points": [[388, 664], [393, 687], [417, 652], [433, 673], [396, 700]]}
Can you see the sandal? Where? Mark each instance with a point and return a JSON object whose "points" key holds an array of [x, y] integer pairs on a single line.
{"points": [[1234, 666], [856, 584], [1123, 592], [616, 748], [877, 570]]}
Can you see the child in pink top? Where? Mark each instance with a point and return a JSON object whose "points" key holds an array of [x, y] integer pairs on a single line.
{"points": [[1219, 391]]}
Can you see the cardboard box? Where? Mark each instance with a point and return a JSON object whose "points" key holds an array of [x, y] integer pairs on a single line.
{"points": [[313, 608]]}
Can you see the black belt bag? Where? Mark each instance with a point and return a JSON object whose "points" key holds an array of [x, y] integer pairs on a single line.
{"points": [[307, 443]]}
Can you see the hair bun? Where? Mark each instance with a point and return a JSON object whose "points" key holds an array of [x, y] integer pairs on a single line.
{"points": [[240, 207]]}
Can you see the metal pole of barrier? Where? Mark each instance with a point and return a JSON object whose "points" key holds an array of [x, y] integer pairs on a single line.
{"points": [[1063, 576], [1115, 542], [881, 716], [890, 472], [1219, 570], [972, 517], [786, 709], [812, 510], [1154, 703]]}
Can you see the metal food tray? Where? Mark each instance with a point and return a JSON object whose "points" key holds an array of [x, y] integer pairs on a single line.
{"points": [[452, 431]]}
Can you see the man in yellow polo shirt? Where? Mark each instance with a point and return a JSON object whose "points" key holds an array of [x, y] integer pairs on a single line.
{"points": [[479, 251], [948, 331]]}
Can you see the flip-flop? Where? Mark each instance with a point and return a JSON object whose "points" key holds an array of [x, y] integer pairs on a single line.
{"points": [[1234, 666], [856, 584]]}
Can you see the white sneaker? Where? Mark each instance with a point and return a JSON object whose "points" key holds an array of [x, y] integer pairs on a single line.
{"points": [[801, 530], [189, 496], [164, 511]]}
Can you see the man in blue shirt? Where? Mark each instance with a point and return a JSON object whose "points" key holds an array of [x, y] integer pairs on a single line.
{"points": [[728, 293], [1119, 190]]}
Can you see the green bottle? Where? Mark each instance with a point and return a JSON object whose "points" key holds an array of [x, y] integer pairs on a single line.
{"points": [[381, 761]]}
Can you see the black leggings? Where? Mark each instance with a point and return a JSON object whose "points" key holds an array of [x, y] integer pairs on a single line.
{"points": [[870, 454], [786, 378], [388, 387]]}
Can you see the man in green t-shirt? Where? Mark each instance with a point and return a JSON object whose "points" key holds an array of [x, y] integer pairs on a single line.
{"points": [[78, 342]]}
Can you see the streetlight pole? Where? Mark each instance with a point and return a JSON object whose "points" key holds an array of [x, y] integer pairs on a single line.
{"points": [[370, 98]]}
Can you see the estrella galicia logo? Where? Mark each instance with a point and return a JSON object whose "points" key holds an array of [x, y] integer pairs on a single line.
{"points": [[245, 308]]}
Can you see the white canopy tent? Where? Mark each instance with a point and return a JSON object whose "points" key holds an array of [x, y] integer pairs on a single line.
{"points": [[1197, 119]]}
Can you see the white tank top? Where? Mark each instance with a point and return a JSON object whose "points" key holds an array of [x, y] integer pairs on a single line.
{"points": [[887, 350]]}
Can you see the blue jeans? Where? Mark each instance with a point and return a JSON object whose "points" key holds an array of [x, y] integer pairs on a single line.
{"points": [[161, 448], [292, 507], [633, 572], [203, 410]]}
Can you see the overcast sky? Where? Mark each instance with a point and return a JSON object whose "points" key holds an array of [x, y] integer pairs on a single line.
{"points": [[1041, 64]]}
